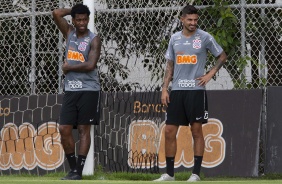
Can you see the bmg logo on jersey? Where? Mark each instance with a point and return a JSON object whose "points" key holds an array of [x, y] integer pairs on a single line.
{"points": [[76, 56], [186, 59], [75, 84], [185, 83]]}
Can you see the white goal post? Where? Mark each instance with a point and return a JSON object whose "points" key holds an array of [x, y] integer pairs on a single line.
{"points": [[89, 164]]}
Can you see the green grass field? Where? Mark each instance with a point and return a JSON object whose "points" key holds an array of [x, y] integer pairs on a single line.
{"points": [[131, 178], [43, 180]]}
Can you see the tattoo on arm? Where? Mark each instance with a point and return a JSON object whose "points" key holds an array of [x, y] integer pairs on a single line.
{"points": [[220, 61], [218, 65], [168, 73], [95, 51]]}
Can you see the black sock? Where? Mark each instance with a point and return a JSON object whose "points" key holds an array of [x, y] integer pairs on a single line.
{"points": [[80, 164], [170, 166], [197, 165], [71, 160]]}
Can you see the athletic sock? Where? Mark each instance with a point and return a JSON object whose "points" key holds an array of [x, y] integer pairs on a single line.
{"points": [[197, 164], [170, 166], [71, 160], [80, 164]]}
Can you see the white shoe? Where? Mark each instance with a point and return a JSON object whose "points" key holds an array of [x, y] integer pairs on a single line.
{"points": [[194, 178], [165, 177]]}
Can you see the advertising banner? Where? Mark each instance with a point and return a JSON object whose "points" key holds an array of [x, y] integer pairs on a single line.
{"points": [[135, 130], [131, 134], [29, 139]]}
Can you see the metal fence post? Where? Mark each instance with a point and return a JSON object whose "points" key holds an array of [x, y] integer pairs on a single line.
{"points": [[32, 75]]}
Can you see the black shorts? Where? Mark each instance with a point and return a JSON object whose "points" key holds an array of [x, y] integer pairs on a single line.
{"points": [[187, 106], [80, 108]]}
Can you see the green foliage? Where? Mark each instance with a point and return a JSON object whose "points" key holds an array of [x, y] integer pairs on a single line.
{"points": [[218, 19], [224, 28], [223, 25]]}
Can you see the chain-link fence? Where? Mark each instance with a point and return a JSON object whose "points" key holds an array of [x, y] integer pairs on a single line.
{"points": [[135, 36], [31, 47]]}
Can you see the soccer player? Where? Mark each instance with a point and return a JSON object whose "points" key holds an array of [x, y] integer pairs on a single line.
{"points": [[80, 107], [187, 103]]}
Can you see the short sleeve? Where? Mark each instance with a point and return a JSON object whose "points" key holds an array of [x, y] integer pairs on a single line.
{"points": [[169, 55], [213, 46]]}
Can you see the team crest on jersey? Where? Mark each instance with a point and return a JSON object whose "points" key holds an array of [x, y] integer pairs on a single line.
{"points": [[197, 43], [82, 46]]}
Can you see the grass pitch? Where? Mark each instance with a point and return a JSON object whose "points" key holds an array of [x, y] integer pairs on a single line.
{"points": [[56, 180], [34, 180], [131, 178]]}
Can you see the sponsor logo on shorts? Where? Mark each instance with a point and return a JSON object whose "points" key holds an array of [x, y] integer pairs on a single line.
{"points": [[75, 84], [206, 115], [185, 83], [186, 59], [83, 161]]}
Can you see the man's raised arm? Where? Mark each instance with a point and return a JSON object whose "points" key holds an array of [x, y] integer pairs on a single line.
{"points": [[61, 22]]}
